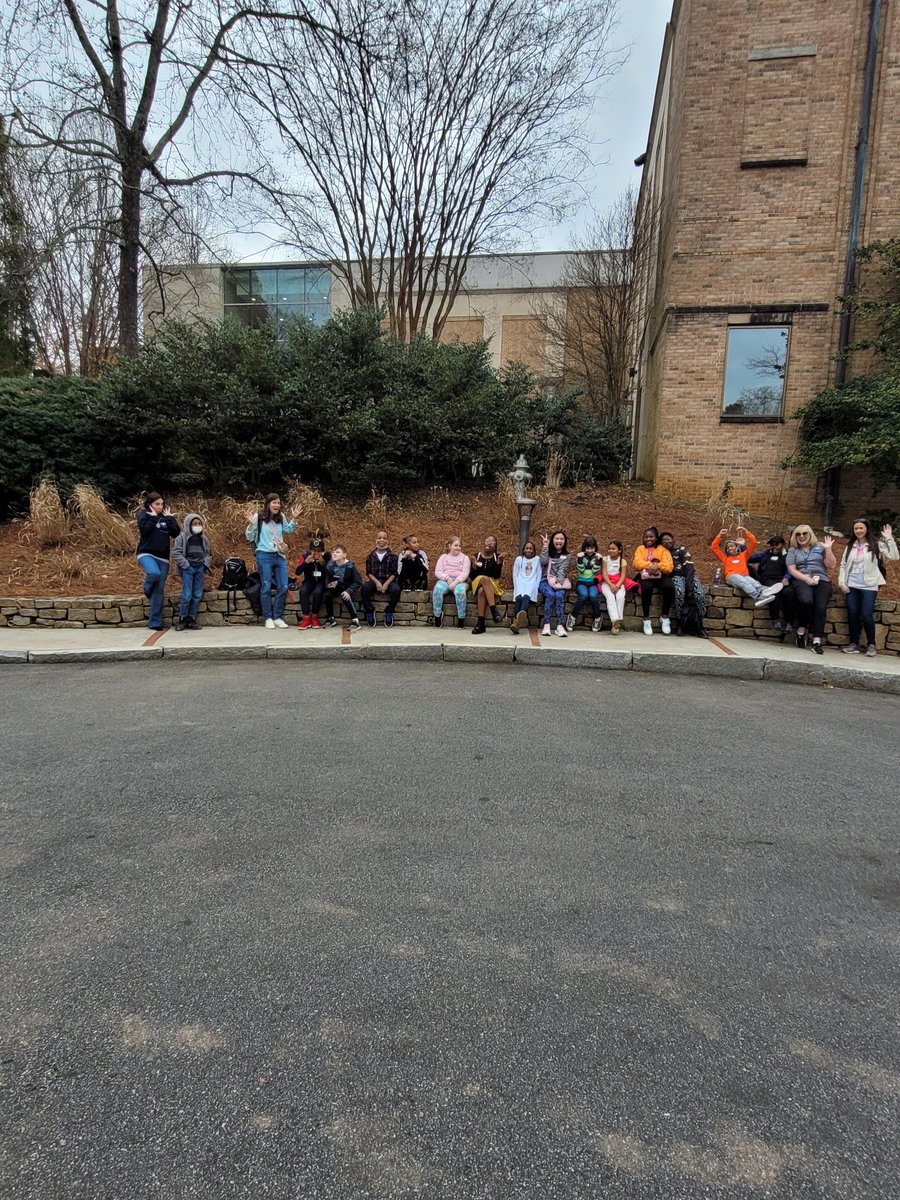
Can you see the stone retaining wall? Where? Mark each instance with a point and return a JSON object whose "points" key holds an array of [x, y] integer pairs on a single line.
{"points": [[728, 615]]}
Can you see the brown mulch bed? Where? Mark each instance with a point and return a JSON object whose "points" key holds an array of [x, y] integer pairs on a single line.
{"points": [[434, 515]]}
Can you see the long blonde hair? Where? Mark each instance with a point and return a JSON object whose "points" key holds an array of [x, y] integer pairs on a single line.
{"points": [[813, 540]]}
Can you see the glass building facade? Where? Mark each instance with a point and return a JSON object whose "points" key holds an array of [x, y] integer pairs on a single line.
{"points": [[254, 295]]}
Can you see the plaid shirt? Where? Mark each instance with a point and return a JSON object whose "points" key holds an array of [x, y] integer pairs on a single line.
{"points": [[382, 570]]}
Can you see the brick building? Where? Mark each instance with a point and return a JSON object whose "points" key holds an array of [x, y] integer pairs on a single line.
{"points": [[748, 183]]}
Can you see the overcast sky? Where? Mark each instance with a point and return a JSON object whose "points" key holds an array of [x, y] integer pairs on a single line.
{"points": [[618, 129], [621, 118]]}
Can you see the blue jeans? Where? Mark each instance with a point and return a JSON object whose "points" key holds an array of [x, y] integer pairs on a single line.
{"points": [[554, 603], [191, 591], [272, 570], [861, 614], [587, 592], [156, 571]]}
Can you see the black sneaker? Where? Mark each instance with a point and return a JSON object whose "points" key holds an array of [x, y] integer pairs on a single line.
{"points": [[438, 621], [801, 641], [180, 626], [193, 623], [460, 622], [329, 623], [354, 624], [818, 648], [495, 613]]}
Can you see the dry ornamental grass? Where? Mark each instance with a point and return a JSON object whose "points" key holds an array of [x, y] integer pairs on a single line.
{"points": [[100, 528], [47, 523]]}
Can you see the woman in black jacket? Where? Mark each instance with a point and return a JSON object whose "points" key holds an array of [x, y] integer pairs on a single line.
{"points": [[156, 527]]}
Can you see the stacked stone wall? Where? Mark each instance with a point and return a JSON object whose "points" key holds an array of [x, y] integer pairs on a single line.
{"points": [[728, 615]]}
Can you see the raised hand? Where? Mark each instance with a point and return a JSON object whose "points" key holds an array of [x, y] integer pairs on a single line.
{"points": [[887, 532], [252, 515], [722, 533], [296, 510], [828, 542]]}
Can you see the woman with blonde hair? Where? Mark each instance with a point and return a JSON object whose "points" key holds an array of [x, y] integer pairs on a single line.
{"points": [[808, 563]]}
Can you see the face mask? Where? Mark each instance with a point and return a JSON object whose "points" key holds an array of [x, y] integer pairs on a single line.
{"points": [[196, 529]]}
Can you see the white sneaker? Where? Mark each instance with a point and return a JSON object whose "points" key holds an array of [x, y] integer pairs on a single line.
{"points": [[648, 628], [763, 601], [773, 589], [279, 624], [270, 624], [665, 625], [560, 632], [545, 632], [597, 625], [570, 623]]}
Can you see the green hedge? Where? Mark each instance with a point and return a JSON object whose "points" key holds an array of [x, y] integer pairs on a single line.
{"points": [[342, 405]]}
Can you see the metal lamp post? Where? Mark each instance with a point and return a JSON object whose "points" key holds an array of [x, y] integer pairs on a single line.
{"points": [[521, 477]]}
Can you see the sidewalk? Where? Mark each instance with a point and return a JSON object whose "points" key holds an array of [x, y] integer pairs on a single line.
{"points": [[736, 658]]}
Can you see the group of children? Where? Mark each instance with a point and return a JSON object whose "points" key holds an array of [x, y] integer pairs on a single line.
{"points": [[792, 579]]}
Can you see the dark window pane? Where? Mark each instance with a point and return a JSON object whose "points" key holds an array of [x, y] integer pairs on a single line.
{"points": [[318, 313], [248, 314], [755, 370], [264, 284], [237, 286], [318, 287], [291, 285]]}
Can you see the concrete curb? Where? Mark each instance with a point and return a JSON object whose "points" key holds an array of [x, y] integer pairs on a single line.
{"points": [[482, 654], [811, 674], [218, 652], [69, 656], [416, 653], [331, 652], [700, 664], [598, 660]]}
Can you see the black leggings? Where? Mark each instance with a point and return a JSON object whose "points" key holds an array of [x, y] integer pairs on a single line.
{"points": [[330, 598], [665, 585], [812, 604]]}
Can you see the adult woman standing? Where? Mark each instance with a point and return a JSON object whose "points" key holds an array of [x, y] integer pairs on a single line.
{"points": [[654, 567], [860, 576], [156, 528], [808, 562], [266, 531], [486, 586]]}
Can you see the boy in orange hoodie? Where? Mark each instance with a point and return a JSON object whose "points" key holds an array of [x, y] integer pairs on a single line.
{"points": [[734, 556]]}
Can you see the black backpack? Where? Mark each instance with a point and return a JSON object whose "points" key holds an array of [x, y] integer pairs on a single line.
{"points": [[234, 577]]}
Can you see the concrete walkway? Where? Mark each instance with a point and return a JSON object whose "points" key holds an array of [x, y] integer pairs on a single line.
{"points": [[737, 658]]}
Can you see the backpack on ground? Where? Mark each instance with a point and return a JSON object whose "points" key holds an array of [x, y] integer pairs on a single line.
{"points": [[234, 577], [253, 591]]}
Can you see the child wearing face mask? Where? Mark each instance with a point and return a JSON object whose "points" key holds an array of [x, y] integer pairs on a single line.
{"points": [[193, 558]]}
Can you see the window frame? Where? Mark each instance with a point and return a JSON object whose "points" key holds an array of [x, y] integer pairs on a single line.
{"points": [[757, 321]]}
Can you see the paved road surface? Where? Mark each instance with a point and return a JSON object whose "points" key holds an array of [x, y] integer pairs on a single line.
{"points": [[344, 931]]}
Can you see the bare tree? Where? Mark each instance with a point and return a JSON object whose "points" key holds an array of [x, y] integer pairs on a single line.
{"points": [[592, 332], [463, 128], [139, 88]]}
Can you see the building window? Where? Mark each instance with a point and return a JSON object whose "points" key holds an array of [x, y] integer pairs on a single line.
{"points": [[256, 295], [755, 372]]}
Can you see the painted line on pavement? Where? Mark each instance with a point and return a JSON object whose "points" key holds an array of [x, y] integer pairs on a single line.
{"points": [[724, 649], [346, 640], [535, 637], [154, 637]]}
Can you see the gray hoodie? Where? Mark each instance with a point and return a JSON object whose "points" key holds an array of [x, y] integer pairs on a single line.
{"points": [[179, 550]]}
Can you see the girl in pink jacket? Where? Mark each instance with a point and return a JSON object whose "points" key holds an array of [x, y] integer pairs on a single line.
{"points": [[451, 572]]}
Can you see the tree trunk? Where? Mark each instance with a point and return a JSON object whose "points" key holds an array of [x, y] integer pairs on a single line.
{"points": [[129, 258]]}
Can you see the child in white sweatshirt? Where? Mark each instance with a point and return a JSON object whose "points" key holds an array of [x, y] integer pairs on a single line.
{"points": [[526, 581]]}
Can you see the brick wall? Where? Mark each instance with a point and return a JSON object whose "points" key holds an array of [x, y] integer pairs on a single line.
{"points": [[463, 329], [750, 84], [728, 615], [524, 341]]}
